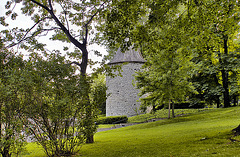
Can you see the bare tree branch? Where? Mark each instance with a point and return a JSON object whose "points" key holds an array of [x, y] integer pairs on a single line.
{"points": [[34, 34], [74, 62], [50, 5], [65, 13], [99, 9], [35, 25], [63, 28], [41, 5], [90, 20]]}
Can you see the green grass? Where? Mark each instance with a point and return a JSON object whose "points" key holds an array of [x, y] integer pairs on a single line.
{"points": [[34, 150], [106, 125], [162, 114], [198, 134]]}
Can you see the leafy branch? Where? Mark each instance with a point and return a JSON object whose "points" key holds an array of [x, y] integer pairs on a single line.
{"points": [[29, 30], [32, 35]]}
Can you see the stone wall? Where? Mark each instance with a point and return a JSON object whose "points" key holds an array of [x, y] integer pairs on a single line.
{"points": [[123, 99]]}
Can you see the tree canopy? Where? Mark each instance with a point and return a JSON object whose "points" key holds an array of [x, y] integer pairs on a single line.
{"points": [[202, 34], [66, 21], [52, 81]]}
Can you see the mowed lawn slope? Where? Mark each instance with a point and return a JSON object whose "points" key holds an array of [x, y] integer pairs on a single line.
{"points": [[203, 134]]}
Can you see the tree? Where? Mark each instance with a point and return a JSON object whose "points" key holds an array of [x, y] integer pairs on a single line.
{"points": [[12, 141], [216, 25], [165, 79], [167, 84], [69, 21], [55, 104], [205, 29]]}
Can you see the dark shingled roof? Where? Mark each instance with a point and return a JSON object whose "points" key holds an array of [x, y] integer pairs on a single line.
{"points": [[129, 56]]}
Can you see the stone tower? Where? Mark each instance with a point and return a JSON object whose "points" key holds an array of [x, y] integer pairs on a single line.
{"points": [[123, 99]]}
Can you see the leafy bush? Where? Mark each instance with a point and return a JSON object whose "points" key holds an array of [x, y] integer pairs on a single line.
{"points": [[57, 106], [112, 120]]}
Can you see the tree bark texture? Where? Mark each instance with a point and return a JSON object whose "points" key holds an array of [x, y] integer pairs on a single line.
{"points": [[225, 81]]}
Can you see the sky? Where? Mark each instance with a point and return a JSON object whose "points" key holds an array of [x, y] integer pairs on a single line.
{"points": [[23, 21]]}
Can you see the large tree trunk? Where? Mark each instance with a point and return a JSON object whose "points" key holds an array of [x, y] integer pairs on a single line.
{"points": [[225, 81], [226, 96], [6, 153], [83, 65], [90, 139]]}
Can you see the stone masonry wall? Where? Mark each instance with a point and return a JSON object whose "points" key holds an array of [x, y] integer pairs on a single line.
{"points": [[123, 99]]}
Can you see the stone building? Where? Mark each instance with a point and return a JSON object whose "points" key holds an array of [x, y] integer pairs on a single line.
{"points": [[123, 99]]}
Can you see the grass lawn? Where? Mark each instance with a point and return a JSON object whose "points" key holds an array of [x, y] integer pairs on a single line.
{"points": [[199, 134], [163, 114]]}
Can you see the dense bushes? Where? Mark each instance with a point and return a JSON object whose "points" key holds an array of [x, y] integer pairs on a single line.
{"points": [[45, 98], [112, 120]]}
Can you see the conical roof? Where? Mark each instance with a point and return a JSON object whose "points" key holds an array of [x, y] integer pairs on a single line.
{"points": [[128, 56]]}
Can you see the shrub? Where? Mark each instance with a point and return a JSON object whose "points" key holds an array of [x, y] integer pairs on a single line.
{"points": [[112, 120]]}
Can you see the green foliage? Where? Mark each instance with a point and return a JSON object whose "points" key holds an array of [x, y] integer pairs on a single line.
{"points": [[12, 141], [112, 120], [217, 25], [166, 79], [45, 98], [98, 93], [166, 74], [55, 104], [121, 20], [187, 45]]}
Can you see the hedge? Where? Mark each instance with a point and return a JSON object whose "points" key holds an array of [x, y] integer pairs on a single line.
{"points": [[112, 120]]}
